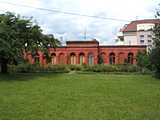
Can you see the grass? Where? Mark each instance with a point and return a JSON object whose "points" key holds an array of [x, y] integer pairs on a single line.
{"points": [[79, 97]]}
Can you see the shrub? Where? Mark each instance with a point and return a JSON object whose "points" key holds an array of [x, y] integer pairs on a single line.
{"points": [[128, 68], [26, 67], [100, 68], [75, 67], [58, 68], [112, 68], [143, 60], [12, 68]]}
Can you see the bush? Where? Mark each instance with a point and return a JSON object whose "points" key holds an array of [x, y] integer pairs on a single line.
{"points": [[12, 68], [75, 67], [112, 68], [102, 68], [128, 68], [26, 67], [58, 68]]}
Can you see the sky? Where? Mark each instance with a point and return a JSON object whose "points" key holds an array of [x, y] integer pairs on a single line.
{"points": [[71, 27]]}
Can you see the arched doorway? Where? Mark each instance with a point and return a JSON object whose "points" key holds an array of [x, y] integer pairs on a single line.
{"points": [[72, 58], [37, 58], [81, 59], [53, 58], [130, 58], [111, 58], [90, 59], [61, 58]]}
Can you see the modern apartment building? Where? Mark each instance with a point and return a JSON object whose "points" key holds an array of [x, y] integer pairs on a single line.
{"points": [[137, 32]]}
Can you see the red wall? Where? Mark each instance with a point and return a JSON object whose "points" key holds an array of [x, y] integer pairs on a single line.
{"points": [[63, 54]]}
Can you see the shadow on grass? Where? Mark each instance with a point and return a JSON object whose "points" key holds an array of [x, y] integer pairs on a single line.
{"points": [[25, 76]]}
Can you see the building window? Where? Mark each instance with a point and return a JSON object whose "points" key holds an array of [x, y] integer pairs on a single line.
{"points": [[90, 59], [141, 41], [112, 58], [53, 58], [130, 58], [149, 36], [141, 36], [37, 58], [81, 58], [73, 59], [149, 41]]}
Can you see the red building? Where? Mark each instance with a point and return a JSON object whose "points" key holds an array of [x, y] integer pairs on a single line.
{"points": [[89, 52]]}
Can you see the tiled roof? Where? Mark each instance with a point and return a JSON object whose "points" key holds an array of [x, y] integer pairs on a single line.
{"points": [[131, 27]]}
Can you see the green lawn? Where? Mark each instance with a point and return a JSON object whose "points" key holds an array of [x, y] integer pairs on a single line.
{"points": [[79, 97]]}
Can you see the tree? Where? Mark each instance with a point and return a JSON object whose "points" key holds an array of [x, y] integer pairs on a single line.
{"points": [[18, 35], [143, 60], [155, 52]]}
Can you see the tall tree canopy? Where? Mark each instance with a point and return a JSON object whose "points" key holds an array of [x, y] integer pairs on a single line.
{"points": [[19, 34], [155, 52]]}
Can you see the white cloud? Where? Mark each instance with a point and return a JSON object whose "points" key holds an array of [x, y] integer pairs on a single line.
{"points": [[73, 27]]}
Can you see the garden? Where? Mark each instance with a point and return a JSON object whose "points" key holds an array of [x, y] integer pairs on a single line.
{"points": [[79, 96]]}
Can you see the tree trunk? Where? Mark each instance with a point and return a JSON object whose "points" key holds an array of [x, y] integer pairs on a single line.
{"points": [[4, 67]]}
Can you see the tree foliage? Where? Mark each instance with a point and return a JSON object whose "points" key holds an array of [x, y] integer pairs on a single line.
{"points": [[143, 60], [18, 35], [155, 52]]}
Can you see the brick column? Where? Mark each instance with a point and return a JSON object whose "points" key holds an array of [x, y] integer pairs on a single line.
{"points": [[66, 59], [116, 58], [86, 58], [77, 58], [107, 58], [95, 58], [134, 58]]}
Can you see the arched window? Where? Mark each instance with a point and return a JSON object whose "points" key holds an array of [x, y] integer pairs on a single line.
{"points": [[36, 58], [73, 58], [112, 58], [81, 58], [61, 58], [90, 59], [130, 58], [53, 59]]}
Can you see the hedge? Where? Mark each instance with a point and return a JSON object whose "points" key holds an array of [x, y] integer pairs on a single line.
{"points": [[67, 68]]}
